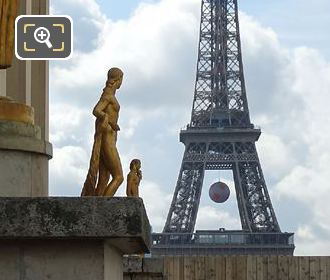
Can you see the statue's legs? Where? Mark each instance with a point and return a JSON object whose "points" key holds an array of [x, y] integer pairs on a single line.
{"points": [[132, 191], [128, 191], [135, 192], [104, 175], [112, 162]]}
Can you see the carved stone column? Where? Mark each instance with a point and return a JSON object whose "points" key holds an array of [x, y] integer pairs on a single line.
{"points": [[24, 133]]}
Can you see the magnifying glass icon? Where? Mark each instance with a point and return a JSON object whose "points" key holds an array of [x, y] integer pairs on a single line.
{"points": [[42, 35]]}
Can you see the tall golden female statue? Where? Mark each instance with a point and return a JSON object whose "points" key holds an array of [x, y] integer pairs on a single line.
{"points": [[105, 160], [8, 13]]}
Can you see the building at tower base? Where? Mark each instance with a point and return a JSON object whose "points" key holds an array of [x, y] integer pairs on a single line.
{"points": [[222, 242]]}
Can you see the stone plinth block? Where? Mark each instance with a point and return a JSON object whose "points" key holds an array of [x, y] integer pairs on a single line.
{"points": [[122, 221], [23, 160], [70, 238]]}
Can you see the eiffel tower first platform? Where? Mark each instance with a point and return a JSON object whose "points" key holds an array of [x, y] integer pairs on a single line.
{"points": [[220, 136]]}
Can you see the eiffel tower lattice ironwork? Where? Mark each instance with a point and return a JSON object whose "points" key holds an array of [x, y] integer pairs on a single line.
{"points": [[220, 135]]}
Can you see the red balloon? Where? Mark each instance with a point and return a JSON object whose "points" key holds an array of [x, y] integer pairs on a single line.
{"points": [[219, 192]]}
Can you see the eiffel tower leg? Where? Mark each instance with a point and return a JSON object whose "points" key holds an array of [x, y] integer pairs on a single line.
{"points": [[185, 203], [241, 202], [258, 211]]}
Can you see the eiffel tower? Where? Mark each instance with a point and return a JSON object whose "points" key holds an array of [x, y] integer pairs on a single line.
{"points": [[220, 136]]}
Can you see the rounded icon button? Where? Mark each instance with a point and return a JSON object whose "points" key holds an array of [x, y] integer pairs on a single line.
{"points": [[42, 35]]}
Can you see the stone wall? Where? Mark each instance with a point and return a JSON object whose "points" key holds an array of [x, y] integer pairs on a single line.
{"points": [[139, 268]]}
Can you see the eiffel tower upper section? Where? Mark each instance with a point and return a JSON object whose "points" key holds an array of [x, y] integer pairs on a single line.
{"points": [[220, 95]]}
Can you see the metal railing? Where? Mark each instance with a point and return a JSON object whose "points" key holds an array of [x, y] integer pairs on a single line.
{"points": [[225, 242]]}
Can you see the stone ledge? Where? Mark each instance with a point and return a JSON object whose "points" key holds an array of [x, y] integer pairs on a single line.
{"points": [[121, 221], [19, 129], [24, 137], [26, 144]]}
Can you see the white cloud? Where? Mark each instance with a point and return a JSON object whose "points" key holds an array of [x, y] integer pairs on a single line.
{"points": [[287, 91], [313, 245], [151, 49], [277, 155], [88, 21], [67, 170], [66, 128], [157, 203], [209, 216]]}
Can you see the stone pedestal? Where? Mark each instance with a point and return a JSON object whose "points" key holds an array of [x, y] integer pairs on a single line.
{"points": [[70, 238], [23, 160]]}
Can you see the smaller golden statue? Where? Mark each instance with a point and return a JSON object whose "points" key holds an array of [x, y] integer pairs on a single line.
{"points": [[134, 178], [105, 160]]}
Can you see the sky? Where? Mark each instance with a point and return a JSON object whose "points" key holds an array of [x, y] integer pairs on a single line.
{"points": [[287, 69]]}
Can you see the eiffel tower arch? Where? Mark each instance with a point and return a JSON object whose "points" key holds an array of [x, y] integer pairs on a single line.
{"points": [[220, 136]]}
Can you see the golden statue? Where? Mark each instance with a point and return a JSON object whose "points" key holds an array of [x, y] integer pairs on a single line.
{"points": [[8, 13], [105, 160], [9, 109], [134, 178]]}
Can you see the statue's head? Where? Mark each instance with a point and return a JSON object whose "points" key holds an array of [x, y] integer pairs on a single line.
{"points": [[115, 77], [135, 163]]}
